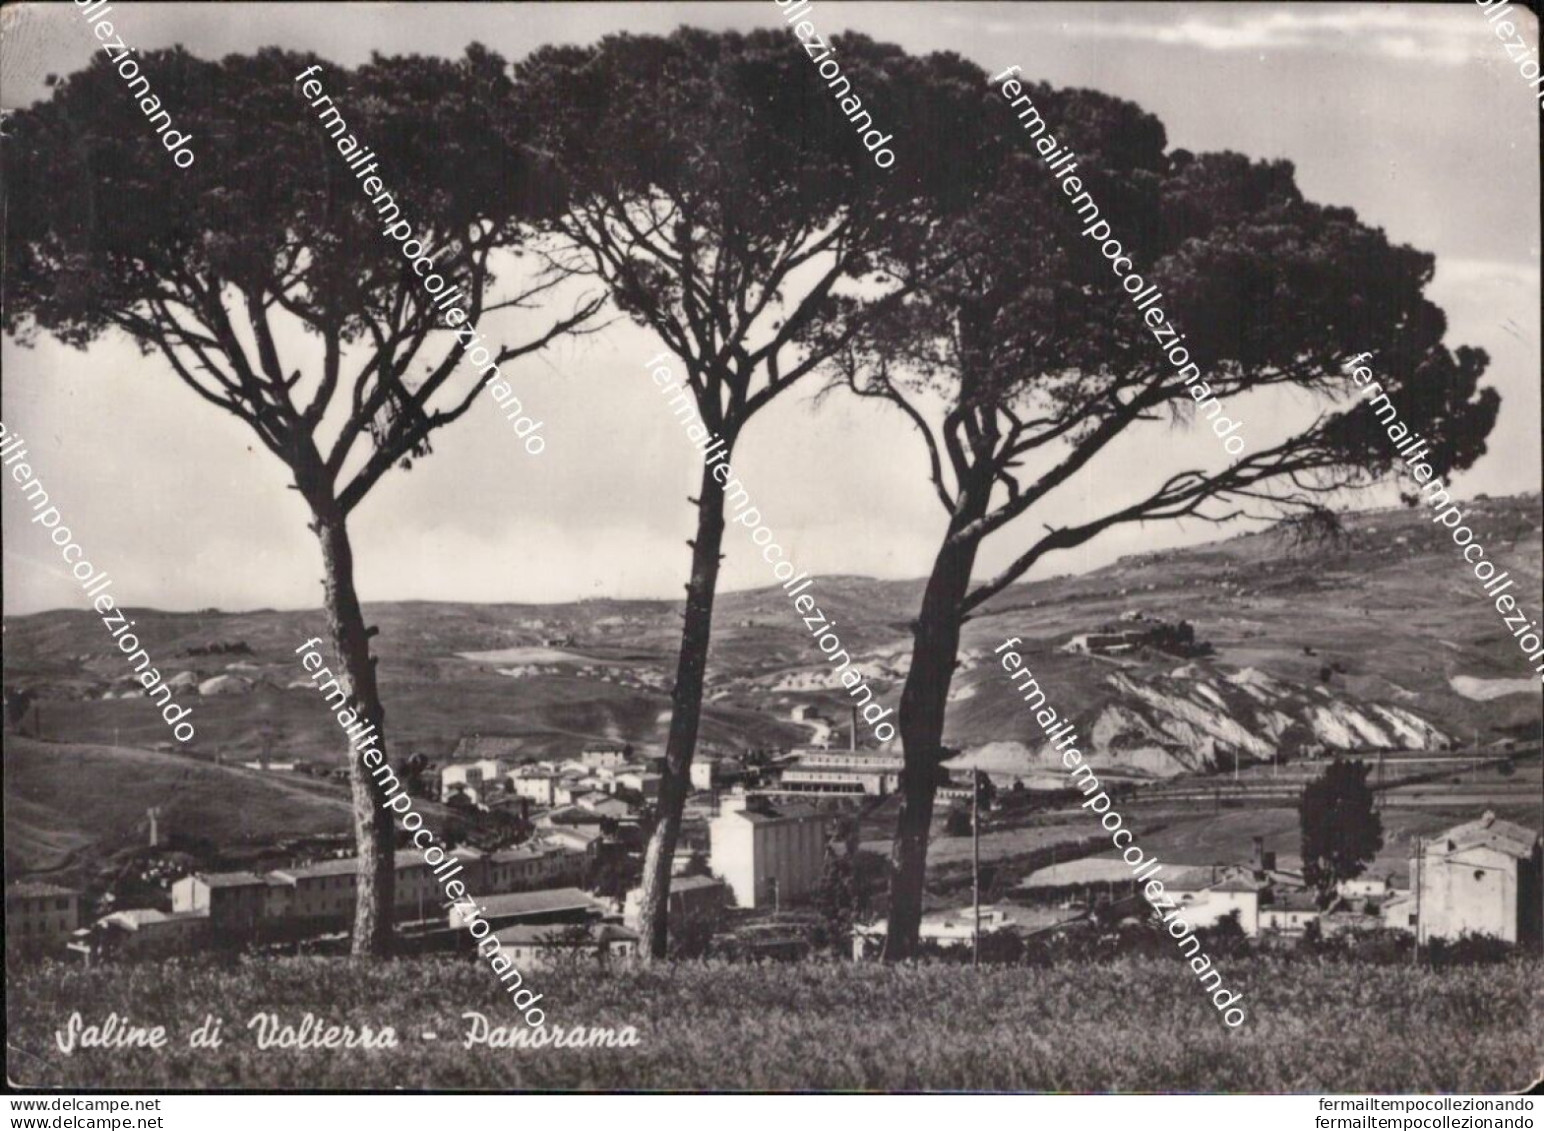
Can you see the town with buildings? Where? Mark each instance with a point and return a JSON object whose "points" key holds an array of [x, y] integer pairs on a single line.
{"points": [[760, 835]]}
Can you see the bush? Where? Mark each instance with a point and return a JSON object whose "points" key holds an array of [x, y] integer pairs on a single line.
{"points": [[1226, 938], [958, 822], [1382, 945], [691, 936], [1470, 950]]}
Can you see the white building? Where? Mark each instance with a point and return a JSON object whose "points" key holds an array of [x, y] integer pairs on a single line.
{"points": [[844, 771], [1398, 912], [490, 769], [322, 892], [1204, 902], [595, 757], [767, 856], [641, 782], [236, 902], [1290, 912], [715, 772], [957, 927], [143, 932], [538, 787], [534, 947], [471, 775], [1481, 878], [1364, 888], [530, 866]]}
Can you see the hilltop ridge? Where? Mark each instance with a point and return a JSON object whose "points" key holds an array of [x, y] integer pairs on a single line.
{"points": [[1382, 637]]}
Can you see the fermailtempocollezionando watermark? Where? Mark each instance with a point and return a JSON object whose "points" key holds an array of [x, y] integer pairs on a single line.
{"points": [[1063, 733]]}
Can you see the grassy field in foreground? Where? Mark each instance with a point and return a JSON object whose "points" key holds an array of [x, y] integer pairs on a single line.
{"points": [[1137, 1025]]}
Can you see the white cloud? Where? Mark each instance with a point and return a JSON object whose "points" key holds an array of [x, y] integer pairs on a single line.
{"points": [[1452, 270], [1450, 36]]}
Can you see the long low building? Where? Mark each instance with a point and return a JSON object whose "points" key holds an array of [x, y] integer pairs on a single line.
{"points": [[533, 908], [322, 894], [957, 926], [144, 932], [858, 773], [532, 946]]}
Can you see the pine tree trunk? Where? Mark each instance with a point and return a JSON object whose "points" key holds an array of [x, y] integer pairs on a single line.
{"points": [[376, 894], [924, 701], [686, 713]]}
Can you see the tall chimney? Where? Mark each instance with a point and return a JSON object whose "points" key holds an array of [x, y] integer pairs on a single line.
{"points": [[853, 744]]}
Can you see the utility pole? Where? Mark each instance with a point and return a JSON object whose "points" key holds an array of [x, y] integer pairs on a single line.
{"points": [[975, 864], [1416, 955]]}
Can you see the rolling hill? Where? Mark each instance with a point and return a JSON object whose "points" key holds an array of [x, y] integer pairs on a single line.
{"points": [[1415, 650], [61, 800], [1382, 639]]}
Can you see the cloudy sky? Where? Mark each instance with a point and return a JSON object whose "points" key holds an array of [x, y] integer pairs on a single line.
{"points": [[1411, 114]]}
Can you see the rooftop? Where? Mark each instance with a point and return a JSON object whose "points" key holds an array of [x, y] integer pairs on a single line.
{"points": [[1504, 836], [772, 814], [573, 815], [346, 866], [538, 902], [532, 850], [233, 879], [884, 756], [405, 858], [36, 889], [574, 832], [605, 805], [136, 917]]}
